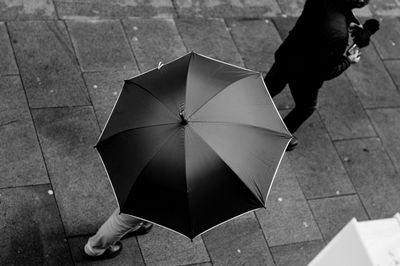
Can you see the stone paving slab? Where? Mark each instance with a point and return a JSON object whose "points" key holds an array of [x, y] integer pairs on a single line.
{"points": [[342, 112], [284, 25], [47, 64], [291, 7], [332, 214], [164, 247], [238, 242], [227, 8], [83, 192], [101, 45], [219, 44], [287, 218], [31, 229], [154, 41], [316, 164], [386, 7], [27, 9], [387, 124], [72, 9], [298, 254], [257, 41], [104, 88], [393, 67], [373, 175], [21, 161], [130, 254], [7, 60], [371, 81], [387, 38]]}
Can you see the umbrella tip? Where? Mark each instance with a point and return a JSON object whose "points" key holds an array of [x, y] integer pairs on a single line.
{"points": [[160, 64], [183, 118]]}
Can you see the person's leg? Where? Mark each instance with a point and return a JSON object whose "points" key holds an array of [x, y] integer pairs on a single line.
{"points": [[276, 79], [305, 96], [116, 226]]}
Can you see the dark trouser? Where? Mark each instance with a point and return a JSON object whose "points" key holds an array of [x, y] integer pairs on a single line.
{"points": [[303, 89]]}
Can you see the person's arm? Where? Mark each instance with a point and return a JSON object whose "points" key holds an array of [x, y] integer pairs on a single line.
{"points": [[335, 61]]}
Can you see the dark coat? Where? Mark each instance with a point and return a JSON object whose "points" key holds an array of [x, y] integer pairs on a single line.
{"points": [[316, 45]]}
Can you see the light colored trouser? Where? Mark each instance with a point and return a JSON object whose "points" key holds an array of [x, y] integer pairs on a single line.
{"points": [[112, 230]]}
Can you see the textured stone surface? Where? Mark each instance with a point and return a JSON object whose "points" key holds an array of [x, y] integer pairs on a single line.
{"points": [[7, 60], [219, 44], [332, 214], [31, 229], [291, 7], [387, 38], [101, 45], [393, 67], [71, 9], [373, 84], [104, 88], [238, 242], [342, 112], [164, 247], [227, 8], [21, 162], [386, 7], [257, 41], [387, 124], [83, 192], [154, 41], [288, 218], [298, 254], [284, 25], [316, 164], [27, 9], [373, 175], [130, 254], [47, 64]]}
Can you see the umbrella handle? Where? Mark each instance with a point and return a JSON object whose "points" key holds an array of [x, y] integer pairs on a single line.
{"points": [[183, 118]]}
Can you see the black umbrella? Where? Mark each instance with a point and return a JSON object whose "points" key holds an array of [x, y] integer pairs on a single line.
{"points": [[192, 144]]}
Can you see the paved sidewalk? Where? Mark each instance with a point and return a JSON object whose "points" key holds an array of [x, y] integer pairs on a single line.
{"points": [[62, 64]]}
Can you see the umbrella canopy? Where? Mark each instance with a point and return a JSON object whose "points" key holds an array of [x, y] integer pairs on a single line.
{"points": [[192, 144]]}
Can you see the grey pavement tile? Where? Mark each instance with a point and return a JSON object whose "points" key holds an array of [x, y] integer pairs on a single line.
{"points": [[7, 60], [332, 214], [130, 254], [372, 82], [165, 247], [373, 175], [31, 229], [47, 64], [83, 192], [291, 7], [154, 41], [298, 254], [387, 38], [287, 218], [284, 25], [27, 10], [386, 7], [104, 88], [72, 9], [316, 163], [393, 67], [21, 161], [101, 45], [387, 124], [257, 41], [238, 242], [219, 44], [342, 112], [227, 8]]}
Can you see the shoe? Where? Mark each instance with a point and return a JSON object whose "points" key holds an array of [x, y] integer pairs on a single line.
{"points": [[111, 252], [142, 229], [292, 144]]}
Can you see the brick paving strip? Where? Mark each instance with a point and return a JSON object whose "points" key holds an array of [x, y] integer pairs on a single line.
{"points": [[62, 65]]}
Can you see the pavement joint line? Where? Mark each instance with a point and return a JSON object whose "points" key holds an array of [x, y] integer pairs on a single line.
{"points": [[333, 196], [356, 138], [25, 186], [55, 9], [60, 107], [300, 242]]}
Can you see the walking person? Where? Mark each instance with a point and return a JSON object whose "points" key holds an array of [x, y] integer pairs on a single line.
{"points": [[105, 244], [313, 52]]}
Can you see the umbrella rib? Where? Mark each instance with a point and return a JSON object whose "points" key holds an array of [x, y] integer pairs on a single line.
{"points": [[212, 97], [246, 125], [155, 97]]}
